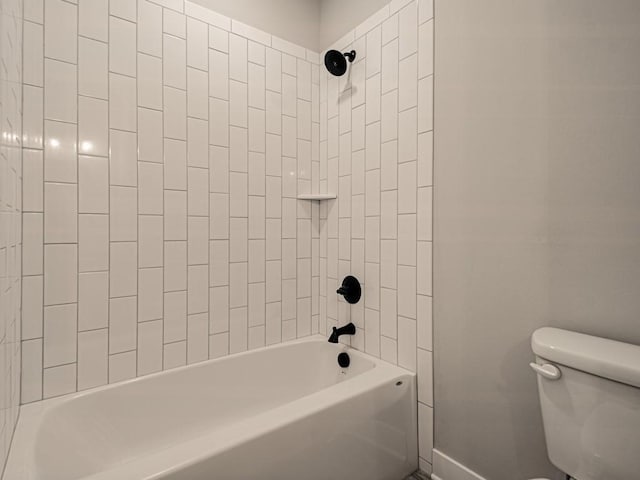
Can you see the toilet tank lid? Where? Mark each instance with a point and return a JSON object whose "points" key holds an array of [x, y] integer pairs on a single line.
{"points": [[606, 358]]}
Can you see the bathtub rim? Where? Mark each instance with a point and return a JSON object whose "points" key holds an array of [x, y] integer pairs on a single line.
{"points": [[21, 462]]}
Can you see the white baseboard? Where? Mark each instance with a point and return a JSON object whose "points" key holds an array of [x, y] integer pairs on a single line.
{"points": [[446, 468]]}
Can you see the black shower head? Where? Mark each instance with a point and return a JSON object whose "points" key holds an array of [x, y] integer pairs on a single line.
{"points": [[336, 62]]}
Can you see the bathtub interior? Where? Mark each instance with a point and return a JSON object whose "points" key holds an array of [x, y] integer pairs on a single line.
{"points": [[117, 424]]}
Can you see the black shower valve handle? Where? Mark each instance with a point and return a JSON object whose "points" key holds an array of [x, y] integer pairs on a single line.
{"points": [[350, 289]]}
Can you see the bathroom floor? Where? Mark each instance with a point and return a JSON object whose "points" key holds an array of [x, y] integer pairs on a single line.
{"points": [[417, 476]]}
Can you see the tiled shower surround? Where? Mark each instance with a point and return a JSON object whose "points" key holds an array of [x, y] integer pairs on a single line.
{"points": [[165, 146], [376, 144], [10, 216]]}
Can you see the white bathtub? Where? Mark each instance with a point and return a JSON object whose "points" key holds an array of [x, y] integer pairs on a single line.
{"points": [[277, 413]]}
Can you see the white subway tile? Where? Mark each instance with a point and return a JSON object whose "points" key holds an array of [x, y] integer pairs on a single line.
{"points": [[149, 81], [32, 298], [93, 184], [150, 241], [123, 262], [93, 78], [425, 50], [60, 334], [122, 366], [175, 355], [408, 135], [238, 330], [425, 324], [150, 294], [175, 316], [198, 338], [237, 285], [198, 243], [94, 19], [425, 431], [59, 380], [257, 261], [34, 10], [219, 345], [219, 261], [60, 213], [407, 187], [60, 31], [122, 102], [123, 214], [149, 347], [32, 118], [60, 162], [93, 243], [175, 113], [218, 169], [390, 31], [149, 28], [32, 243], [174, 23], [31, 369], [124, 9], [122, 46], [407, 242], [238, 104], [425, 10], [175, 164], [197, 94], [198, 193], [123, 322], [174, 62], [219, 309], [175, 266], [407, 342], [218, 39], [150, 191], [425, 104], [61, 88], [198, 143], [123, 157], [218, 128], [373, 99], [93, 127], [273, 77], [197, 44], [238, 58], [33, 54], [93, 301], [92, 359], [407, 291], [257, 53], [408, 30], [219, 214], [175, 215]]}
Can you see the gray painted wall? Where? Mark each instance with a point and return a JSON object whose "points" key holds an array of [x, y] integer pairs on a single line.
{"points": [[314, 24], [337, 17], [294, 20], [537, 208]]}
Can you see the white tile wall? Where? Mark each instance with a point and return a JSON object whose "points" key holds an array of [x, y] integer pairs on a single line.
{"points": [[11, 173], [375, 152], [159, 186]]}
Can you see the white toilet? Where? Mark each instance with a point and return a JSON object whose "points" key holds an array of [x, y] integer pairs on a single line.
{"points": [[590, 397]]}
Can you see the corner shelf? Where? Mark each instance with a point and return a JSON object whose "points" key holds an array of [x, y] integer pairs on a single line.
{"points": [[317, 196]]}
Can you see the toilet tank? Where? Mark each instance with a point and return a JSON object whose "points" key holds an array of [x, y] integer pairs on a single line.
{"points": [[591, 413]]}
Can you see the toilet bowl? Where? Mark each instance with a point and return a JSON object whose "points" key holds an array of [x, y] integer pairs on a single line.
{"points": [[589, 390]]}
